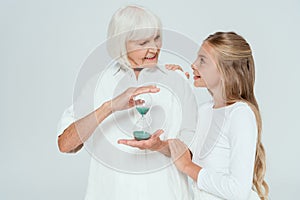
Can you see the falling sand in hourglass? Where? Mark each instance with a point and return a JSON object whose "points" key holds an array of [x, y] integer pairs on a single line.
{"points": [[141, 130]]}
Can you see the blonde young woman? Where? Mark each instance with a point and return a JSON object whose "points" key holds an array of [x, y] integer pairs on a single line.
{"points": [[118, 171], [229, 158]]}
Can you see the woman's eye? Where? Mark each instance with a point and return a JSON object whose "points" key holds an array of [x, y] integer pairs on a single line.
{"points": [[202, 61], [157, 37], [143, 43]]}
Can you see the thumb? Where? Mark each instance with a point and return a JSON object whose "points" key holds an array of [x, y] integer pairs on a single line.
{"points": [[158, 133]]}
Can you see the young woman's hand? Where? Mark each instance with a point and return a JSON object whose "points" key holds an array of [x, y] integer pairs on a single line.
{"points": [[181, 157], [154, 143], [126, 99], [177, 67], [180, 154]]}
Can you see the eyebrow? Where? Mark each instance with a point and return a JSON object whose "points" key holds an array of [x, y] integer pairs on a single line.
{"points": [[202, 56], [149, 38]]}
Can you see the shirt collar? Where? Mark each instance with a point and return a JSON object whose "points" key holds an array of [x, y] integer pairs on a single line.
{"points": [[118, 68]]}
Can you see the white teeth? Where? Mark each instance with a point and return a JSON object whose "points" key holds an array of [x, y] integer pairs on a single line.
{"points": [[150, 57]]}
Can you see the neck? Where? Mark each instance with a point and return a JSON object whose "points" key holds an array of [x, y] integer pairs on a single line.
{"points": [[137, 72], [219, 100], [219, 104]]}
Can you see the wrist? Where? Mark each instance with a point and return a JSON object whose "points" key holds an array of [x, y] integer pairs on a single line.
{"points": [[103, 111], [192, 170], [107, 106], [160, 145], [188, 167], [163, 145], [164, 148]]}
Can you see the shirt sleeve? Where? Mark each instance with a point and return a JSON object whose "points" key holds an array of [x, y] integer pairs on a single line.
{"points": [[82, 104], [67, 118], [237, 183]]}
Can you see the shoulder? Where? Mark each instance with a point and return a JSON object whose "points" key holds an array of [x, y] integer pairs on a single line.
{"points": [[241, 109], [242, 126], [242, 118]]}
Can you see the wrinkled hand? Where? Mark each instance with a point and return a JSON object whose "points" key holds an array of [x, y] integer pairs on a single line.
{"points": [[180, 154], [177, 67], [126, 99], [154, 143]]}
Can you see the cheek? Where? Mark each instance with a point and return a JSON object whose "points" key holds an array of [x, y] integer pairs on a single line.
{"points": [[141, 52], [159, 45], [137, 54], [213, 81]]}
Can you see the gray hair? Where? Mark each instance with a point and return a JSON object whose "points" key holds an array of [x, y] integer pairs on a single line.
{"points": [[130, 23]]}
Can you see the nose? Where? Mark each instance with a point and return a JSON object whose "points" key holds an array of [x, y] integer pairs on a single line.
{"points": [[193, 66], [154, 45]]}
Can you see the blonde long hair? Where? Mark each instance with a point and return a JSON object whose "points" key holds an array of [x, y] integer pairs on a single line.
{"points": [[235, 62]]}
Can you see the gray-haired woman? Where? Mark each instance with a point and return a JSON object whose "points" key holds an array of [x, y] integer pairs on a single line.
{"points": [[120, 171]]}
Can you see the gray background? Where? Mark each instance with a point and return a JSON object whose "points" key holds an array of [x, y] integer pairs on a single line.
{"points": [[42, 46]]}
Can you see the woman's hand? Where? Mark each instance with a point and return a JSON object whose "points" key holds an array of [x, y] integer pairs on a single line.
{"points": [[154, 143], [180, 154], [177, 67], [126, 99]]}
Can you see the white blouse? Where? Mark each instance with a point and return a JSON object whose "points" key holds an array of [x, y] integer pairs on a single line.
{"points": [[122, 172], [226, 152]]}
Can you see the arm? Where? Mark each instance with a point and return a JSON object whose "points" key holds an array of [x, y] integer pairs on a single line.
{"points": [[236, 184], [182, 158], [73, 137]]}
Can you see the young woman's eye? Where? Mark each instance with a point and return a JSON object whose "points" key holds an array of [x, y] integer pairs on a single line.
{"points": [[202, 61], [157, 37]]}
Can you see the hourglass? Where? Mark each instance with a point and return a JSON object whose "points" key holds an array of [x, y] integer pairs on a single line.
{"points": [[141, 130]]}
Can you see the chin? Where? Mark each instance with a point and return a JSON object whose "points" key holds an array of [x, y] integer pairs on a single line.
{"points": [[150, 65], [196, 84], [199, 85]]}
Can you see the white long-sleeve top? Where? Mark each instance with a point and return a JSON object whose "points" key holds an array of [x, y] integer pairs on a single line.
{"points": [[226, 152]]}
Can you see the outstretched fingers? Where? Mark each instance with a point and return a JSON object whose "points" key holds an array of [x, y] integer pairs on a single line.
{"points": [[173, 67], [146, 89]]}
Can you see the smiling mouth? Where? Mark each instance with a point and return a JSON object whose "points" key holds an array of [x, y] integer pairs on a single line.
{"points": [[150, 57], [197, 77]]}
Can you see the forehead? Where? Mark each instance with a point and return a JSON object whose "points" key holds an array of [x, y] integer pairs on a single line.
{"points": [[143, 34], [206, 51], [141, 39]]}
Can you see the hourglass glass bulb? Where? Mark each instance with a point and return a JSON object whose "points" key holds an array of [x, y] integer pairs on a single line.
{"points": [[143, 105]]}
